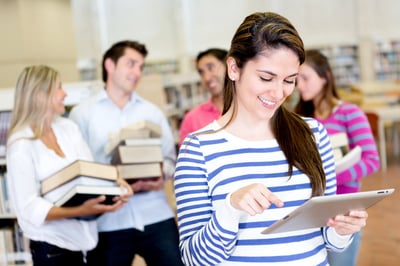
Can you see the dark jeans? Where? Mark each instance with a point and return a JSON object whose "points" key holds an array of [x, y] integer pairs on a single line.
{"points": [[45, 254], [158, 244]]}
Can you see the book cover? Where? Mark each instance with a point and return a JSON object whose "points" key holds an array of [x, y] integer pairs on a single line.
{"points": [[142, 129], [54, 194], [132, 141], [136, 154], [348, 160], [80, 193], [140, 171], [76, 169], [155, 129], [340, 144]]}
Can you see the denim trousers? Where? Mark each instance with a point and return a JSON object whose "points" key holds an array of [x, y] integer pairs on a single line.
{"points": [[349, 256]]}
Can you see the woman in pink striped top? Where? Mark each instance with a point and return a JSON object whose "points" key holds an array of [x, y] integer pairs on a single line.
{"points": [[319, 99]]}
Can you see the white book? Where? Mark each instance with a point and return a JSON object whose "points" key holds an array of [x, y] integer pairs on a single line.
{"points": [[348, 160], [79, 194], [146, 141], [339, 140]]}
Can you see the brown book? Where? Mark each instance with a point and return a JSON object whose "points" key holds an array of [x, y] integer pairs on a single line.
{"points": [[139, 130], [83, 170], [136, 154], [140, 171]]}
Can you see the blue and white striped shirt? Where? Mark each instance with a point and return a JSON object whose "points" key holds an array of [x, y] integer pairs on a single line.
{"points": [[212, 232]]}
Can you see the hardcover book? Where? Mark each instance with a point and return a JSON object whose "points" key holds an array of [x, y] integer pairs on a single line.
{"points": [[80, 193], [340, 145], [85, 170], [142, 129], [136, 154], [343, 156], [140, 171]]}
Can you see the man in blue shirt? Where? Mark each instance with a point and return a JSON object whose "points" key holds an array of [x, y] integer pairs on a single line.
{"points": [[146, 225]]}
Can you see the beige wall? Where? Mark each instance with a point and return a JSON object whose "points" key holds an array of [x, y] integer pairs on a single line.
{"points": [[36, 32]]}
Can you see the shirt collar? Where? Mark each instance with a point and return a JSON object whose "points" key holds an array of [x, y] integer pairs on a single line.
{"points": [[102, 96]]}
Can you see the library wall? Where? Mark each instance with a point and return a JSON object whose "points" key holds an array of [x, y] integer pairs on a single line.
{"points": [[71, 35], [36, 32]]}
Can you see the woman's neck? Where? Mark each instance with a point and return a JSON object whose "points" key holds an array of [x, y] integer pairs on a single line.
{"points": [[325, 108], [49, 139]]}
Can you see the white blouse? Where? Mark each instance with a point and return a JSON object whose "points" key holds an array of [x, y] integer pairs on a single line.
{"points": [[29, 162]]}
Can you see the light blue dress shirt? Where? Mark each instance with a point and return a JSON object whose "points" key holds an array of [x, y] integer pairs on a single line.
{"points": [[98, 117]]}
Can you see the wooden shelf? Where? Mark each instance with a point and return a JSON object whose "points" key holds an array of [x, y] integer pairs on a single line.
{"points": [[387, 60]]}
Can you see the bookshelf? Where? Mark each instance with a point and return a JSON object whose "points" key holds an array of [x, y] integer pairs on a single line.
{"points": [[174, 93], [387, 60], [344, 60], [14, 247], [161, 67]]}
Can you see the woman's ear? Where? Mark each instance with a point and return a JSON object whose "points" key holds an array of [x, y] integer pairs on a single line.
{"points": [[232, 69]]}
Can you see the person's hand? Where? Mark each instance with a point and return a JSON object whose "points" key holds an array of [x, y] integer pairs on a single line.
{"points": [[148, 185], [254, 199], [96, 206], [350, 223], [127, 190]]}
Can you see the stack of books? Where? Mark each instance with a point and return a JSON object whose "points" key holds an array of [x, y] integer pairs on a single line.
{"points": [[136, 152], [343, 156], [80, 181]]}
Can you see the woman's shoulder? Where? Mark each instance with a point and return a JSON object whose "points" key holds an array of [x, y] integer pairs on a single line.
{"points": [[348, 107], [24, 133], [316, 127], [312, 122], [65, 124]]}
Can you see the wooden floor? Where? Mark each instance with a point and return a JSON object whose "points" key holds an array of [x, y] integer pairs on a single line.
{"points": [[381, 237]]}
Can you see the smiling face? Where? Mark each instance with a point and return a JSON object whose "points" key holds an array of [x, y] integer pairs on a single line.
{"points": [[263, 84], [212, 74], [58, 99], [125, 74]]}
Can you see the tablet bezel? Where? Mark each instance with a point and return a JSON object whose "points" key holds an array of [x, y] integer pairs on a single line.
{"points": [[316, 211]]}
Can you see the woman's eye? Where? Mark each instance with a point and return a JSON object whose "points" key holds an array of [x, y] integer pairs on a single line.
{"points": [[290, 81], [265, 79]]}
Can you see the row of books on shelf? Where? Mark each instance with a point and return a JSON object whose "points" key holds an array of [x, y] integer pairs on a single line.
{"points": [[14, 247], [5, 118], [5, 207]]}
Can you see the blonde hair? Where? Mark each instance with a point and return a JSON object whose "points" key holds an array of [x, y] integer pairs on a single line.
{"points": [[34, 91]]}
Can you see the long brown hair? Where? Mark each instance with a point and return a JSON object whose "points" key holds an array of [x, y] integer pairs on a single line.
{"points": [[260, 31]]}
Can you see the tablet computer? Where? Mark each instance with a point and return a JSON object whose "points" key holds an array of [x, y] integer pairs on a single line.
{"points": [[317, 210]]}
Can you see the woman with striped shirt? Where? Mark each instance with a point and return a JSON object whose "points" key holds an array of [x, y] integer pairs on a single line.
{"points": [[259, 161], [319, 99]]}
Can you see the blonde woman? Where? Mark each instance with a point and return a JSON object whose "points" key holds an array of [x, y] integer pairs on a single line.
{"points": [[40, 143]]}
